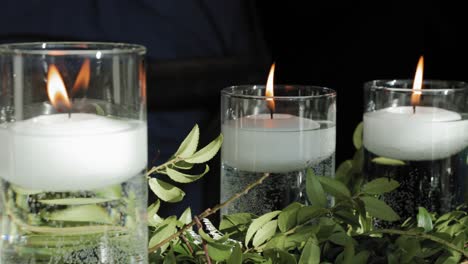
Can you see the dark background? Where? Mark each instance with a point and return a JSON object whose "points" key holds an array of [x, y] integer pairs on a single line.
{"points": [[341, 46], [198, 47]]}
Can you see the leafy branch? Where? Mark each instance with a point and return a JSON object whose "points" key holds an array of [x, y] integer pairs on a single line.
{"points": [[317, 232]]}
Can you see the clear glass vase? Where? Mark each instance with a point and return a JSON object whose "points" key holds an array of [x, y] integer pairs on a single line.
{"points": [[73, 153]]}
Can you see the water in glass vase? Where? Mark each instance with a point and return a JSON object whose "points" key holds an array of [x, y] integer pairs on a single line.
{"points": [[437, 185], [274, 193], [91, 226]]}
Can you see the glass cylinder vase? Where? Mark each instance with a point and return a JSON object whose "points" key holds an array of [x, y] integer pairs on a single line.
{"points": [[421, 145], [282, 141], [73, 153]]}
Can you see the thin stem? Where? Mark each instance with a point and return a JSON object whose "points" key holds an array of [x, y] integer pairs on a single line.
{"points": [[187, 243], [210, 211], [205, 247], [420, 235], [160, 168]]}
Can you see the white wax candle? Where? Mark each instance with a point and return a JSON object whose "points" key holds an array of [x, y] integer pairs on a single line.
{"points": [[84, 152], [285, 143], [429, 134]]}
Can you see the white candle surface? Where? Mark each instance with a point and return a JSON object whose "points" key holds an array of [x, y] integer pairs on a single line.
{"points": [[285, 143], [429, 134], [84, 152]]}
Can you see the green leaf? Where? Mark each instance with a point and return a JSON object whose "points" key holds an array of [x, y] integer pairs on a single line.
{"points": [[236, 255], [229, 221], [81, 213], [347, 217], [181, 165], [380, 186], [314, 190], [410, 246], [340, 238], [379, 209], [343, 171], [278, 241], [310, 252], [362, 257], [166, 229], [388, 161], [278, 256], [218, 251], [348, 254], [186, 216], [99, 110], [334, 187], [307, 213], [165, 191], [189, 145], [259, 223], [206, 237], [206, 153], [170, 258], [75, 201], [424, 219], [114, 191], [265, 233], [154, 208], [357, 136], [185, 178], [288, 217]]}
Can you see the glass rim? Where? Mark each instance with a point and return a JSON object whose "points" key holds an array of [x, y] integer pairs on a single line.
{"points": [[229, 91], [67, 48], [441, 85]]}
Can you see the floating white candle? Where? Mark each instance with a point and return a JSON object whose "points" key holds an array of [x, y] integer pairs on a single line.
{"points": [[285, 143], [428, 134], [84, 152]]}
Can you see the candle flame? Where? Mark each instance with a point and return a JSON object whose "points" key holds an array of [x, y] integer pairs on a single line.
{"points": [[269, 89], [56, 89], [417, 83], [82, 80]]}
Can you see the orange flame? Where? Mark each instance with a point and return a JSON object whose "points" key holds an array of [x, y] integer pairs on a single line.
{"points": [[56, 89], [417, 83], [269, 89], [82, 80]]}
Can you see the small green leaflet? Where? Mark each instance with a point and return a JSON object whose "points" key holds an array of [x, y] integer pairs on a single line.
{"points": [[334, 187], [81, 213], [424, 219], [378, 208], [183, 177], [206, 153], [186, 216], [343, 170], [259, 223], [236, 255], [265, 233], [288, 217], [314, 190], [190, 144], [165, 191], [75, 201], [310, 252], [388, 161], [99, 110], [380, 186], [357, 136], [164, 230]]}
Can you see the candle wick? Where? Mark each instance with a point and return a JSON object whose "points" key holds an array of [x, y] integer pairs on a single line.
{"points": [[69, 114], [414, 109], [271, 113]]}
